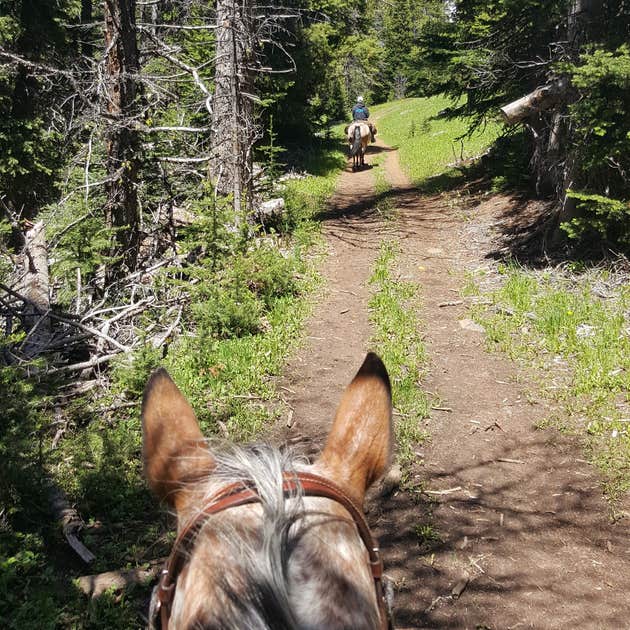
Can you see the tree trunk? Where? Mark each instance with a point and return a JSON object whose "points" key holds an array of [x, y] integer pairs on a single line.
{"points": [[582, 14], [233, 130], [121, 63], [537, 101], [87, 48]]}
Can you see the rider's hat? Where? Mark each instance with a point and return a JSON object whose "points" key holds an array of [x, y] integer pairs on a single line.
{"points": [[359, 99]]}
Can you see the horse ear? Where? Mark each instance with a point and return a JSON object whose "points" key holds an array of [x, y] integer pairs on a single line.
{"points": [[173, 449], [360, 443]]}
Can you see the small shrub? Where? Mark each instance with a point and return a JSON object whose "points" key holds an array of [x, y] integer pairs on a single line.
{"points": [[270, 273], [229, 311]]}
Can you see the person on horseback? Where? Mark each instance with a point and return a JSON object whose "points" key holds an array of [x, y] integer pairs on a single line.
{"points": [[360, 112]]}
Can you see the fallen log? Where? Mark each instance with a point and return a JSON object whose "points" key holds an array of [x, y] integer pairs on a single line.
{"points": [[540, 99], [270, 210], [95, 585]]}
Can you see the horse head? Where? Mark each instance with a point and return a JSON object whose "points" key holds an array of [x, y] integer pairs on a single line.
{"points": [[292, 549]]}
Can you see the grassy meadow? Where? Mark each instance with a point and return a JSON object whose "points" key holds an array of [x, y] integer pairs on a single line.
{"points": [[428, 143]]}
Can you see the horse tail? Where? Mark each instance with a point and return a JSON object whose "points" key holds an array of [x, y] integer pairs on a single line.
{"points": [[356, 141]]}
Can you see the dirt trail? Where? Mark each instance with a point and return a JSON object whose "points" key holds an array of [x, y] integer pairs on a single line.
{"points": [[522, 523], [338, 331]]}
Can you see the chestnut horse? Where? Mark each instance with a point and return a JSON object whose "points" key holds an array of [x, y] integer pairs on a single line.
{"points": [[358, 139], [266, 540]]}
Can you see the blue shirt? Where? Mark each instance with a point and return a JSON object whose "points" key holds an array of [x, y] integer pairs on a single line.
{"points": [[360, 112]]}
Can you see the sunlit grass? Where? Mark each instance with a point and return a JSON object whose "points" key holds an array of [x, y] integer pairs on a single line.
{"points": [[397, 338], [427, 145]]}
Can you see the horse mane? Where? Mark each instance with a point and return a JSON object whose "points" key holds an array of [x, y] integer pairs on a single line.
{"points": [[261, 600]]}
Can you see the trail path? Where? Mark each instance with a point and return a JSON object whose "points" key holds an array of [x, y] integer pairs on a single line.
{"points": [[523, 526]]}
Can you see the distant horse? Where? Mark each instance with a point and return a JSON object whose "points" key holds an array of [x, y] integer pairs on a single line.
{"points": [[263, 539], [358, 139]]}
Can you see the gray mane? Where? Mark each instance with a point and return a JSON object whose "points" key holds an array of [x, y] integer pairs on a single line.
{"points": [[266, 603], [260, 597]]}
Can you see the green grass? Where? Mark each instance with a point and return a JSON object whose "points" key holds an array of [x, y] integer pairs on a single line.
{"points": [[394, 315], [428, 537], [428, 144], [582, 344]]}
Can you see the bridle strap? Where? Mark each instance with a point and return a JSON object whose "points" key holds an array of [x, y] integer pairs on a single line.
{"points": [[241, 493]]}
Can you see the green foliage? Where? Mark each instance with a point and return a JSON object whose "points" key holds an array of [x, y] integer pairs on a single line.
{"points": [[270, 153], [32, 150], [23, 562], [476, 46], [402, 23], [20, 461], [609, 218], [248, 302], [602, 122], [428, 537], [362, 58]]}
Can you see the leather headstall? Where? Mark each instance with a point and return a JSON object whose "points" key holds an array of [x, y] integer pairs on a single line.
{"points": [[241, 493]]}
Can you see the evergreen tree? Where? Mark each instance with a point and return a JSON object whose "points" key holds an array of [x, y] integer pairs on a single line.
{"points": [[33, 144], [494, 53]]}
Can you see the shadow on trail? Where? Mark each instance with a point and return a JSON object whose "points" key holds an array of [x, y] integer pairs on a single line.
{"points": [[524, 229], [359, 205], [375, 149], [520, 530], [520, 231]]}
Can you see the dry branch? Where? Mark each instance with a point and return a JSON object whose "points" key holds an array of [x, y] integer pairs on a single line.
{"points": [[70, 522], [84, 365], [91, 331]]}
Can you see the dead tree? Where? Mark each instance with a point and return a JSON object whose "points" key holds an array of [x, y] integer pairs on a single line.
{"points": [[120, 99], [32, 281], [536, 102], [233, 130]]}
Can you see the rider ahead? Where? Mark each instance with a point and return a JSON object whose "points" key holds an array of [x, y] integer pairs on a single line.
{"points": [[362, 113]]}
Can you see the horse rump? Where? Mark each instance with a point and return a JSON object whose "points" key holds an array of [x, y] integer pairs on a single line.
{"points": [[355, 147]]}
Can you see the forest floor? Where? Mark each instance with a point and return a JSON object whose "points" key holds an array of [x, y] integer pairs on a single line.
{"points": [[522, 535]]}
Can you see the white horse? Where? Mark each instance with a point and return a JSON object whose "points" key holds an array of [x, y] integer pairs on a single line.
{"points": [[358, 139]]}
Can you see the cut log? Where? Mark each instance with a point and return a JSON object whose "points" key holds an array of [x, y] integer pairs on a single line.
{"points": [[539, 100], [95, 585]]}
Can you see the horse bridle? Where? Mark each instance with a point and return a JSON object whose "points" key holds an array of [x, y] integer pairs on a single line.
{"points": [[241, 493]]}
